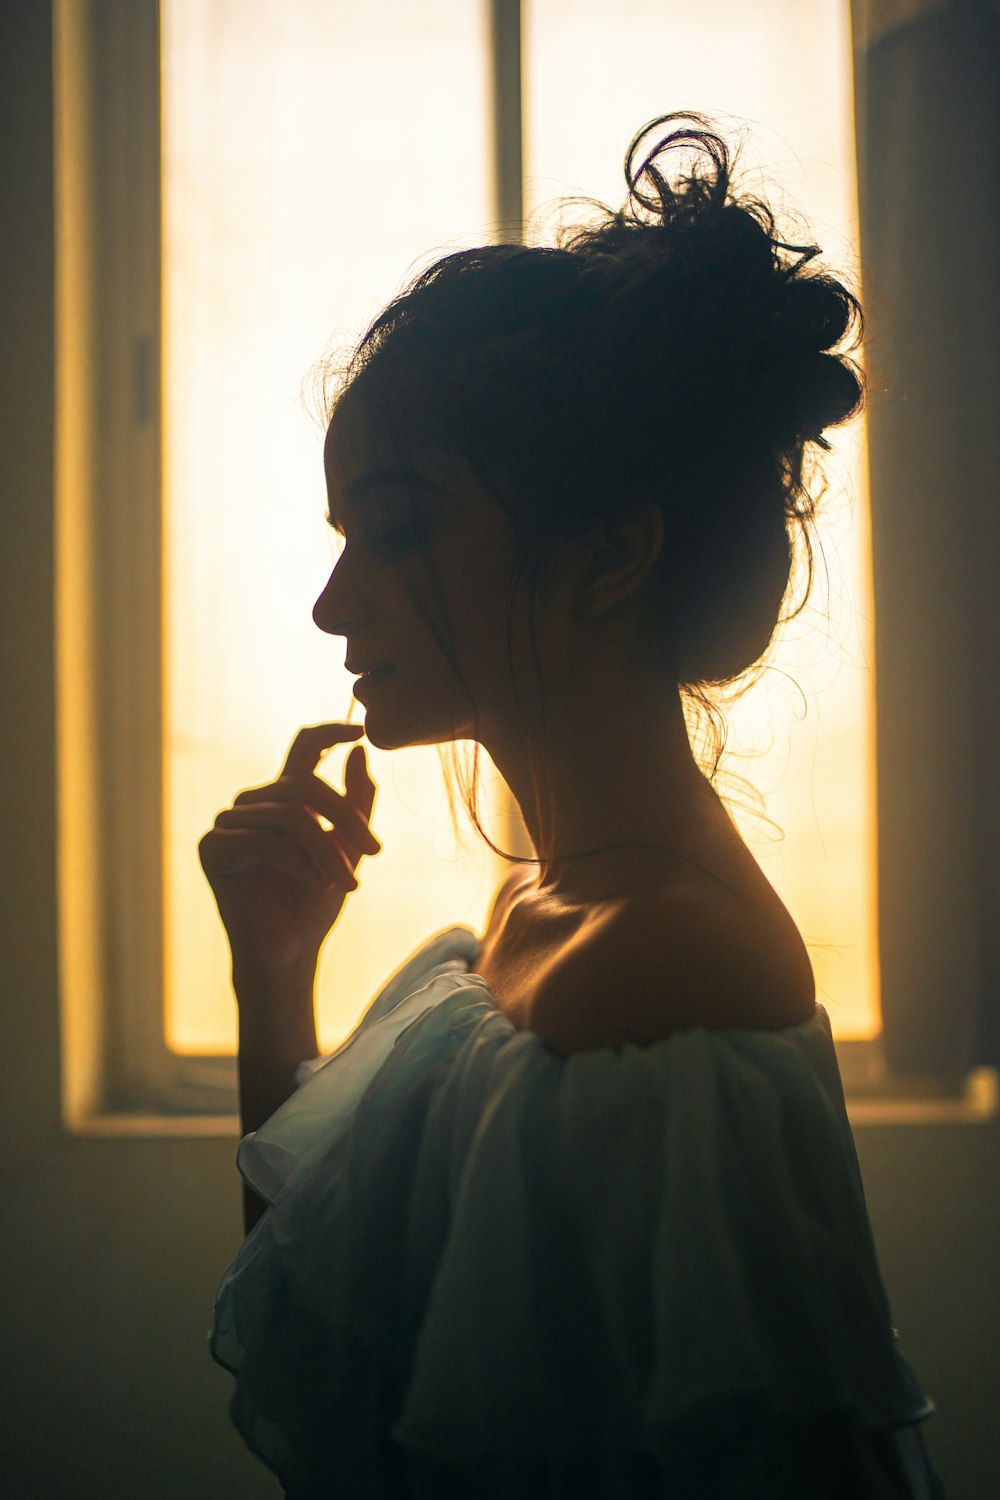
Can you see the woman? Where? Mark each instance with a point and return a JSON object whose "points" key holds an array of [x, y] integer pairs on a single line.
{"points": [[576, 1210]]}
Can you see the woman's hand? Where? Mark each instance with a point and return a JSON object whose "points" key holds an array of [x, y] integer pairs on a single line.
{"points": [[279, 877]]}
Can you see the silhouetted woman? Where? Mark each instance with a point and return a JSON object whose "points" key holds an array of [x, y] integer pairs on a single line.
{"points": [[576, 1211]]}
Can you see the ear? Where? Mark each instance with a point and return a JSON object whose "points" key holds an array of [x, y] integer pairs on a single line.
{"points": [[618, 558]]}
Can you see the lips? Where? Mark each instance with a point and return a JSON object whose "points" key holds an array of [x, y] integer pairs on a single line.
{"points": [[366, 680], [375, 670]]}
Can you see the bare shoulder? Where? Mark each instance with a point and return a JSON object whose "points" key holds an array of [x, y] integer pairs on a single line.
{"points": [[669, 959]]}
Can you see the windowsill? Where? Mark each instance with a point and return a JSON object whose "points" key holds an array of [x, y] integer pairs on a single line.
{"points": [[862, 1112], [979, 1105], [132, 1126]]}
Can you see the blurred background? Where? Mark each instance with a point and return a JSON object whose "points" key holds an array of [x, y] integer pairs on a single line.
{"points": [[204, 205]]}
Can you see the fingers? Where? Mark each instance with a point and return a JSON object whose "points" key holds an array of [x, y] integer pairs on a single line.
{"points": [[308, 745], [319, 796], [298, 826], [279, 823], [231, 851]]}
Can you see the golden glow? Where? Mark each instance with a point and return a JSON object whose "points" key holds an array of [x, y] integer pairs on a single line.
{"points": [[312, 154], [593, 74]]}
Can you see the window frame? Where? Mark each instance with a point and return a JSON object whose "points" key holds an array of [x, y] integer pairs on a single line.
{"points": [[109, 576], [110, 598]]}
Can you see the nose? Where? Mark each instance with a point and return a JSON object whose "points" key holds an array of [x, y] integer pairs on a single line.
{"points": [[335, 611]]}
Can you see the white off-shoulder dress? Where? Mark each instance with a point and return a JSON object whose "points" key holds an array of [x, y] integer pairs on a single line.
{"points": [[488, 1270]]}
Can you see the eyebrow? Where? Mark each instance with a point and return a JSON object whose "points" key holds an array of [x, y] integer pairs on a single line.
{"points": [[382, 479]]}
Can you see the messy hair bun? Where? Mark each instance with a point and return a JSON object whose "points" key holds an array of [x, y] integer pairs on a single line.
{"points": [[676, 350]]}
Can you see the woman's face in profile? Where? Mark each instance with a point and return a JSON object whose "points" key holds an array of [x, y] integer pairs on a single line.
{"points": [[417, 525]]}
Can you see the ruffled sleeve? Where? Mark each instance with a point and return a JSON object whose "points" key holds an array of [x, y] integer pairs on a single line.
{"points": [[479, 1252]]}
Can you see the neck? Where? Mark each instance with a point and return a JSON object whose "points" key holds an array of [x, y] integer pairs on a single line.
{"points": [[606, 775]]}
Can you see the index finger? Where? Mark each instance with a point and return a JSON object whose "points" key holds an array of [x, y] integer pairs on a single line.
{"points": [[308, 745]]}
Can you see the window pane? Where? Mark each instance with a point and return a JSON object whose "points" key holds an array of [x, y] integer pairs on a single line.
{"points": [[313, 152], [594, 73]]}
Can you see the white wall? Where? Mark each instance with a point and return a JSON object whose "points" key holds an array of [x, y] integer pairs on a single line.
{"points": [[113, 1247]]}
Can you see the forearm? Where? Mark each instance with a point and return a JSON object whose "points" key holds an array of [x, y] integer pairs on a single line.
{"points": [[277, 1031]]}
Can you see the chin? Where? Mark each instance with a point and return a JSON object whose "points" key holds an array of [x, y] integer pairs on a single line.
{"points": [[436, 719], [387, 736]]}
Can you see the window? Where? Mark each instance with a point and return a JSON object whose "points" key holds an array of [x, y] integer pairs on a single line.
{"points": [[310, 153]]}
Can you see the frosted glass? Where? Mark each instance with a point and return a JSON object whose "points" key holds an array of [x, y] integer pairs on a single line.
{"points": [[313, 153], [593, 74]]}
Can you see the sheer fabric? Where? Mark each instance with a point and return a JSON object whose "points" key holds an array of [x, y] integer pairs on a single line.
{"points": [[487, 1270]]}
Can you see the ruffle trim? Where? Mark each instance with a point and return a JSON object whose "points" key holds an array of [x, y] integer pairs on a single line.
{"points": [[480, 1247]]}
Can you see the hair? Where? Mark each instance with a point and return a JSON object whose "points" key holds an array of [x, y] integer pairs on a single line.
{"points": [[678, 351]]}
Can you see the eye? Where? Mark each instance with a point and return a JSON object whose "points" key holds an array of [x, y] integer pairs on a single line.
{"points": [[399, 541]]}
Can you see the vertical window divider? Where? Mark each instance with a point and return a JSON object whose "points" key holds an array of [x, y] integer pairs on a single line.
{"points": [[507, 116]]}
